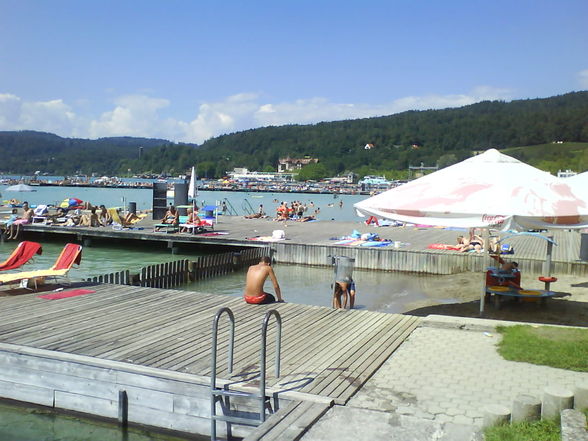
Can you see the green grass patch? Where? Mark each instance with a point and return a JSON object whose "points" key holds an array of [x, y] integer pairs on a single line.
{"points": [[545, 345], [544, 430]]}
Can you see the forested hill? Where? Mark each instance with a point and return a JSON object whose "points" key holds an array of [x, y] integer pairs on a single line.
{"points": [[409, 138], [24, 152], [430, 137]]}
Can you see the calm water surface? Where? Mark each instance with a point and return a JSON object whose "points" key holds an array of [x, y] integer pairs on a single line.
{"points": [[102, 258], [42, 424], [116, 197], [376, 291]]}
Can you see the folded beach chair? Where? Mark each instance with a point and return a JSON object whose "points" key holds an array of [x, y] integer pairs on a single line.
{"points": [[71, 253], [21, 255]]}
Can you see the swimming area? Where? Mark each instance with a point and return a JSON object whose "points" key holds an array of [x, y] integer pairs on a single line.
{"points": [[329, 205]]}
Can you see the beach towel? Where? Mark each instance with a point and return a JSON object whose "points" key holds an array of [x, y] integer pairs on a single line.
{"points": [[443, 246], [66, 294], [375, 243], [344, 241], [265, 239]]}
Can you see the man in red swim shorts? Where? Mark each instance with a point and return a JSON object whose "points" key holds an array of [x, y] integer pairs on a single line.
{"points": [[256, 277]]}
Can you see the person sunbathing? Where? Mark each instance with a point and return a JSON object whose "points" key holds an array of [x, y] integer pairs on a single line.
{"points": [[90, 220], [193, 219], [104, 216]]}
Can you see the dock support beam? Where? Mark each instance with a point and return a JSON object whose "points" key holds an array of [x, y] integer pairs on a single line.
{"points": [[123, 408]]}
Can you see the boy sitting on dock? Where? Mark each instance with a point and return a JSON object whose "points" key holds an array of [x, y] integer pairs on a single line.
{"points": [[256, 277]]}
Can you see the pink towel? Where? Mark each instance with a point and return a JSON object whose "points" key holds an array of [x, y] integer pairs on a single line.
{"points": [[65, 294]]}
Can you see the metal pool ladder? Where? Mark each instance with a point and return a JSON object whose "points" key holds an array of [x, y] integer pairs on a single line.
{"points": [[223, 395]]}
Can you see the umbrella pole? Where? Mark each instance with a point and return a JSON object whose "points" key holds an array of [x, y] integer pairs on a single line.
{"points": [[486, 255], [547, 269]]}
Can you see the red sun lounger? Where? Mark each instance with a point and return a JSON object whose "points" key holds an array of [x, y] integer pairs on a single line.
{"points": [[71, 253], [21, 255]]}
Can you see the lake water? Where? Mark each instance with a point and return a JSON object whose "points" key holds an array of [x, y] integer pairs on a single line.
{"points": [[117, 197], [19, 423], [390, 292]]}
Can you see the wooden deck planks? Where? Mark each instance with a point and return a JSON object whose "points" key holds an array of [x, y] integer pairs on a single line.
{"points": [[334, 350]]}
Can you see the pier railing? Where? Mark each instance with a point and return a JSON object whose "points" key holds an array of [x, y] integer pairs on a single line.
{"points": [[180, 272]]}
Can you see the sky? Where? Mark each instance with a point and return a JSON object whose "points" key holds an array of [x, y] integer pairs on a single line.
{"points": [[189, 70]]}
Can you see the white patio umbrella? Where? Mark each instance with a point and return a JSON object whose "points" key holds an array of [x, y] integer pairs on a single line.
{"points": [[20, 187], [579, 185], [491, 190]]}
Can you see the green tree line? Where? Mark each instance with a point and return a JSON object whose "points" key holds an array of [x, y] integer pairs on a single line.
{"points": [[431, 137]]}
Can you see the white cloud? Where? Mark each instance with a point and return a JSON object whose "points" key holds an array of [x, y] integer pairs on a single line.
{"points": [[134, 115], [51, 116], [141, 115], [583, 79]]}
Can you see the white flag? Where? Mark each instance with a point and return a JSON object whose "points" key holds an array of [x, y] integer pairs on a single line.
{"points": [[192, 193]]}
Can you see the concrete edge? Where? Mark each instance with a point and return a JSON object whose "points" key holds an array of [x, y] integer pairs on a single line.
{"points": [[477, 324]]}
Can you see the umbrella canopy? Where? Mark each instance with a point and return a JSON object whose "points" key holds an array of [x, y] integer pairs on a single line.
{"points": [[20, 187], [579, 184], [491, 190], [71, 203]]}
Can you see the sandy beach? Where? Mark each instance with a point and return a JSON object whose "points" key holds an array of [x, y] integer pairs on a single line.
{"points": [[572, 309]]}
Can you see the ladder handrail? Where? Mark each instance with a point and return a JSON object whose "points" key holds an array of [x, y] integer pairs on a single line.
{"points": [[217, 316], [262, 362], [247, 207], [231, 208]]}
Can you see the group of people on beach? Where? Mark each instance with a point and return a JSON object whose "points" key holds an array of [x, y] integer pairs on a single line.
{"points": [[295, 210], [83, 215]]}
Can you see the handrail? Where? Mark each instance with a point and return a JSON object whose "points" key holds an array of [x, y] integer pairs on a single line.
{"points": [[262, 363], [232, 210], [219, 313], [247, 207]]}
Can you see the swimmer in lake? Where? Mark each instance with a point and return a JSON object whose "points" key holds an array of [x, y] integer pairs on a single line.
{"points": [[256, 277]]}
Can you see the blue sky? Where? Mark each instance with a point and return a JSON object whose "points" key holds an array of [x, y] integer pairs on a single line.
{"points": [[190, 70]]}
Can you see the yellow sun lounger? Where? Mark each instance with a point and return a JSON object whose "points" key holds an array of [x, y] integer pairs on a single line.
{"points": [[71, 253]]}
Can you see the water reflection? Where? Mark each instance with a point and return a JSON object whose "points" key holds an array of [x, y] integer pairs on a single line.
{"points": [[43, 424], [376, 291]]}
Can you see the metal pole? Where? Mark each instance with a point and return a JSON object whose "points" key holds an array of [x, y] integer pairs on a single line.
{"points": [[485, 257], [262, 363]]}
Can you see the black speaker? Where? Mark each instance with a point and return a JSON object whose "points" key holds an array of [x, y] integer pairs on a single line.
{"points": [[159, 200]]}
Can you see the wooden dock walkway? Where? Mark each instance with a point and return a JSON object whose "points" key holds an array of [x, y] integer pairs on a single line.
{"points": [[311, 243], [78, 352]]}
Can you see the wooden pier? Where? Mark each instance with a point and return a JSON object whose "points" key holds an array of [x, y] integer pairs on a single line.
{"points": [[312, 243], [80, 353]]}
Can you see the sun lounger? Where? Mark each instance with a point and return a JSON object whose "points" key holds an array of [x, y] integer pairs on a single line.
{"points": [[202, 226], [71, 253], [21, 255]]}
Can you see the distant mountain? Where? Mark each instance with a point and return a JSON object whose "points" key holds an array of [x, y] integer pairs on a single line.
{"points": [[430, 137], [24, 152], [558, 124]]}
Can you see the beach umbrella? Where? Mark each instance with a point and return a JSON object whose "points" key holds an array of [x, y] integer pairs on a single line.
{"points": [[71, 203], [20, 187], [490, 190], [579, 184]]}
